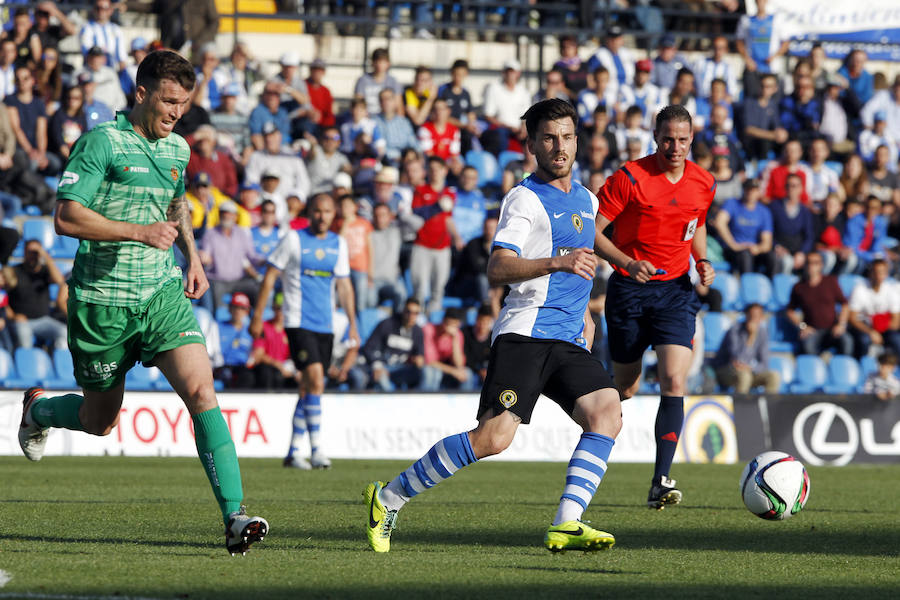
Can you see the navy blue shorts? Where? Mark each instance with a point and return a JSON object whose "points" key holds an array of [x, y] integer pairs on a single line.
{"points": [[639, 315]]}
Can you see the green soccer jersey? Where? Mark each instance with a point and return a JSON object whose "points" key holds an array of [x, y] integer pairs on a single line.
{"points": [[125, 177]]}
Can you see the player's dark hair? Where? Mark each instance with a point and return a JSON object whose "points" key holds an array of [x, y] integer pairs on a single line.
{"points": [[165, 64], [673, 112], [552, 109]]}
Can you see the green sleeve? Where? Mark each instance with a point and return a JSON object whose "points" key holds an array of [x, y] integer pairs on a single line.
{"points": [[179, 186], [86, 169]]}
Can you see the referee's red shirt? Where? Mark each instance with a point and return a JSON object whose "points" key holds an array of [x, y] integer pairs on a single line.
{"points": [[653, 218]]}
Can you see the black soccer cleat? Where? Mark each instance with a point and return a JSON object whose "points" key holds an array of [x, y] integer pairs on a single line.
{"points": [[663, 493]]}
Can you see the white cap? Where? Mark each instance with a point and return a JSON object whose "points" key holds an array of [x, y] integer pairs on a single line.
{"points": [[342, 180], [512, 64], [290, 59]]}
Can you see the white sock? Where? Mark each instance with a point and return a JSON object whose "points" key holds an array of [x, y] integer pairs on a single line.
{"points": [[568, 510], [392, 496]]}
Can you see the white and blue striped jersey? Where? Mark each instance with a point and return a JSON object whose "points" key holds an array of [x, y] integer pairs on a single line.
{"points": [[308, 266], [538, 220], [107, 36]]}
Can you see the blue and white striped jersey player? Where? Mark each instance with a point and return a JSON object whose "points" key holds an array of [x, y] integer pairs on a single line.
{"points": [[543, 250], [313, 263]]}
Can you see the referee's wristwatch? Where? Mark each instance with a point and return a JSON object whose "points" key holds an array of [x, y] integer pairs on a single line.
{"points": [[705, 260]]}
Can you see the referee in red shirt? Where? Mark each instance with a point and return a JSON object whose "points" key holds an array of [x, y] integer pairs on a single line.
{"points": [[657, 206]]}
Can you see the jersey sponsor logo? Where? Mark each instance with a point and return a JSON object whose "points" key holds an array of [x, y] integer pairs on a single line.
{"points": [[211, 468], [587, 215], [577, 223], [136, 169], [558, 215], [190, 333], [317, 273], [69, 178], [508, 398], [100, 370], [564, 250]]}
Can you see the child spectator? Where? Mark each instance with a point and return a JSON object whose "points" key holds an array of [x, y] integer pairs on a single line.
{"points": [[883, 383]]}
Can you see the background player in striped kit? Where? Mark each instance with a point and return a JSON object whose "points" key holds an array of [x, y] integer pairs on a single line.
{"points": [[543, 250], [310, 260]]}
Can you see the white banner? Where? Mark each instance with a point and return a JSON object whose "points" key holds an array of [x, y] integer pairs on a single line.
{"points": [[370, 426], [837, 16]]}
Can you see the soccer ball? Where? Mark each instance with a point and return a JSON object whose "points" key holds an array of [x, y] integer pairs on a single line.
{"points": [[774, 486]]}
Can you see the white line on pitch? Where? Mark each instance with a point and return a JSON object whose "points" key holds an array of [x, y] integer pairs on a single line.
{"points": [[66, 596], [4, 578]]}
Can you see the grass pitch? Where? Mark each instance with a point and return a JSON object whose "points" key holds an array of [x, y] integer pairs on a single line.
{"points": [[132, 527]]}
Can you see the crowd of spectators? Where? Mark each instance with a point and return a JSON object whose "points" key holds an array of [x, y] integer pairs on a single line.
{"points": [[805, 163]]}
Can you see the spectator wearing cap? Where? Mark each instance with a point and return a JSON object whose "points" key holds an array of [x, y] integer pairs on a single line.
{"points": [[459, 100], [270, 189], [207, 158], [128, 76], [505, 101], [95, 111], [570, 64], [642, 93], [295, 95], [667, 63], [100, 32], [28, 120], [273, 158], [716, 66], [763, 131], [887, 102], [835, 125], [231, 125], [324, 161], [394, 129], [237, 345], [269, 110], [227, 252], [445, 357], [50, 35], [206, 199], [107, 87], [871, 139], [267, 233], [744, 227], [319, 95], [370, 85], [615, 57], [761, 39], [211, 78]]}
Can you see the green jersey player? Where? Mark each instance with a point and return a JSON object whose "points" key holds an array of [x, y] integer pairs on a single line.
{"points": [[122, 195]]}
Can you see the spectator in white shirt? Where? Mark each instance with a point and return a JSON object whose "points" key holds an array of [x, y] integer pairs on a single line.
{"points": [[505, 102]]}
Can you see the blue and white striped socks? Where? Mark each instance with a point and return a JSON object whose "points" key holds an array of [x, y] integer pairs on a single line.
{"points": [[443, 460], [312, 405], [583, 475], [299, 424]]}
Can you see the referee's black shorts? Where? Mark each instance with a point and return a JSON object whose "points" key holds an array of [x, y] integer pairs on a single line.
{"points": [[639, 315], [522, 368], [308, 347]]}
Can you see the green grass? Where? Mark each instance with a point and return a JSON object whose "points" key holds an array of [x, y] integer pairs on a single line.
{"points": [[149, 527]]}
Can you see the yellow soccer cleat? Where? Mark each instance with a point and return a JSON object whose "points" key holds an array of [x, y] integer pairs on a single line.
{"points": [[575, 535], [381, 521]]}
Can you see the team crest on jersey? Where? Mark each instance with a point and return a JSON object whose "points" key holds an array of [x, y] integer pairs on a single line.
{"points": [[508, 398], [577, 223], [302, 356], [320, 253], [174, 172]]}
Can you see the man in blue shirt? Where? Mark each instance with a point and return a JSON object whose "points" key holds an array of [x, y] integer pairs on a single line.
{"points": [[269, 110], [237, 344], [267, 233], [745, 230], [760, 41], [469, 211], [312, 262]]}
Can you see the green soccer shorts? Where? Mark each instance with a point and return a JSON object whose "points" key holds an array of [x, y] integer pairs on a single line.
{"points": [[106, 341]]}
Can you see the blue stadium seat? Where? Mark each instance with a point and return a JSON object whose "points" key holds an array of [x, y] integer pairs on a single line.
{"points": [[868, 365], [715, 326], [436, 316], [755, 288], [728, 286], [53, 290], [33, 366], [203, 316], [722, 266], [222, 314], [64, 369], [812, 374], [141, 378], [65, 247], [784, 366], [40, 229], [367, 320], [844, 375], [507, 156], [8, 377], [782, 284], [848, 281], [782, 333], [451, 302], [489, 172]]}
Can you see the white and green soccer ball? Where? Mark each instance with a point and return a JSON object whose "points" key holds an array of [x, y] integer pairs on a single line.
{"points": [[774, 486]]}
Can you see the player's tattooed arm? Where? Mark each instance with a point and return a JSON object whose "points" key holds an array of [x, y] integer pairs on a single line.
{"points": [[180, 212]]}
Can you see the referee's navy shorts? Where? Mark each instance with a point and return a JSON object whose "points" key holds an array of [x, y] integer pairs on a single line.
{"points": [[639, 315]]}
